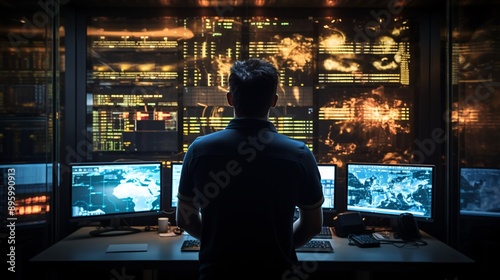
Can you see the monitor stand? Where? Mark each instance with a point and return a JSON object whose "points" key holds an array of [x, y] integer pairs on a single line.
{"points": [[374, 224], [114, 229]]}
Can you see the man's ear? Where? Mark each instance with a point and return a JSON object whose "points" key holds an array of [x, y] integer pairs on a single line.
{"points": [[229, 98], [275, 101]]}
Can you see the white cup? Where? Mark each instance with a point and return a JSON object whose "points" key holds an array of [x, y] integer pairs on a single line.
{"points": [[163, 225]]}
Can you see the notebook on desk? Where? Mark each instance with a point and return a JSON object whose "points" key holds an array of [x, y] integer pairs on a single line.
{"points": [[132, 247]]}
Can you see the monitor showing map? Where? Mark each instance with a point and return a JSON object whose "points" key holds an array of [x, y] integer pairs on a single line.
{"points": [[115, 190], [389, 190]]}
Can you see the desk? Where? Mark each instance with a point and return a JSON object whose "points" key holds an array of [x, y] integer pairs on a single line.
{"points": [[80, 250]]}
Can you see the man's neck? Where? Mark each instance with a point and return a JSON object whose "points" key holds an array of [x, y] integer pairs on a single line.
{"points": [[264, 118]]}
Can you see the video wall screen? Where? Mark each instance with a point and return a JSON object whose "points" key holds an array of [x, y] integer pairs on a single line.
{"points": [[371, 124], [207, 57], [290, 45], [349, 52], [157, 83], [365, 96], [132, 83]]}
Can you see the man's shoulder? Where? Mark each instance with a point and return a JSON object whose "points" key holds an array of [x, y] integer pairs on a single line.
{"points": [[213, 135], [216, 138], [285, 139]]}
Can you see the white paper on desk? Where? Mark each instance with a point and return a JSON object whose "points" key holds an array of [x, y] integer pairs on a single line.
{"points": [[134, 247]]}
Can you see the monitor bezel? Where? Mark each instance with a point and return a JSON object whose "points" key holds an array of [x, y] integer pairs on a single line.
{"points": [[116, 215], [367, 213]]}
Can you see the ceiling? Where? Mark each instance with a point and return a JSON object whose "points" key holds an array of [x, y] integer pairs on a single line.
{"points": [[18, 4], [245, 3], [9, 6]]}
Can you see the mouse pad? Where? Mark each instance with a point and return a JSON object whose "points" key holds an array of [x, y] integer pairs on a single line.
{"points": [[134, 247]]}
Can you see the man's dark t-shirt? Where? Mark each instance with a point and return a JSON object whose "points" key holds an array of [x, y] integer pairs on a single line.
{"points": [[247, 180]]}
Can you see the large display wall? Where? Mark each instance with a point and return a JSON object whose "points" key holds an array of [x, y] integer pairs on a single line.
{"points": [[154, 84]]}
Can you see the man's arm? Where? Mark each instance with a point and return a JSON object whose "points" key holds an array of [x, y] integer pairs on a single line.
{"points": [[307, 225], [188, 218]]}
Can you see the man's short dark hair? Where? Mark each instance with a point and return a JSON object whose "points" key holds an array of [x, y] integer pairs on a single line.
{"points": [[253, 84]]}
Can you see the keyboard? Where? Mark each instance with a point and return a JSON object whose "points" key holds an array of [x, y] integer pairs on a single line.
{"points": [[323, 246], [364, 240], [326, 233], [316, 246], [190, 245]]}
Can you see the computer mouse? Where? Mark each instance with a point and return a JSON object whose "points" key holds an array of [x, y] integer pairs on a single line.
{"points": [[178, 230]]}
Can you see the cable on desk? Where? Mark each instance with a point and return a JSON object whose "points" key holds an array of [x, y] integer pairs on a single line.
{"points": [[150, 228]]}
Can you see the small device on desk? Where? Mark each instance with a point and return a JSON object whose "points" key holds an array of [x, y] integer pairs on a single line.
{"points": [[347, 223], [178, 230], [364, 240], [190, 245], [408, 227]]}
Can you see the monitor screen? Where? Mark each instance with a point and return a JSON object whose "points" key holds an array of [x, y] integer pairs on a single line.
{"points": [[327, 172], [115, 190], [175, 179], [480, 192], [27, 192], [386, 190]]}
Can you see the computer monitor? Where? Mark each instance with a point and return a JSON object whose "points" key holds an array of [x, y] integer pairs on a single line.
{"points": [[175, 172], [480, 192], [328, 173], [326, 170], [388, 190], [27, 193], [113, 191]]}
